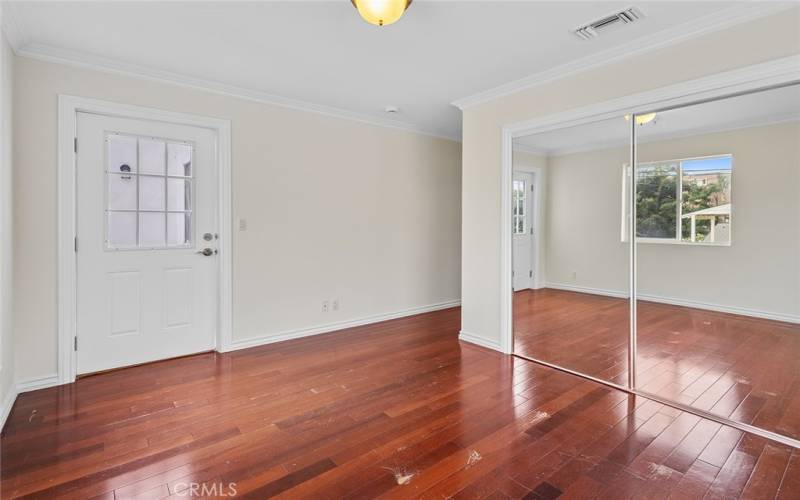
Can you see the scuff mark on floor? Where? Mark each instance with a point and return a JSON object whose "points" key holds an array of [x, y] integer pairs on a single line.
{"points": [[314, 391], [659, 470], [33, 414], [539, 416], [474, 458], [401, 475]]}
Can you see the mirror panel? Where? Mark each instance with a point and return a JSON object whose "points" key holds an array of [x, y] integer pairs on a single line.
{"points": [[718, 257], [571, 263]]}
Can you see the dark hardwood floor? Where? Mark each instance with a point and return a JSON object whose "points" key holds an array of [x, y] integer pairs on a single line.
{"points": [[743, 368], [400, 409]]}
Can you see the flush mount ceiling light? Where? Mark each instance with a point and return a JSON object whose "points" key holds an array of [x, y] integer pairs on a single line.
{"points": [[381, 12], [642, 119]]}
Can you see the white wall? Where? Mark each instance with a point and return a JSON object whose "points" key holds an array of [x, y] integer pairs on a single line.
{"points": [[754, 42], [584, 198], [7, 382], [759, 272], [334, 209]]}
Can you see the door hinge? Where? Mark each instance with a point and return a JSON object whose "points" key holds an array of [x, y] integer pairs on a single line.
{"points": [[76, 244], [531, 230], [530, 274], [75, 144], [531, 188], [75, 344]]}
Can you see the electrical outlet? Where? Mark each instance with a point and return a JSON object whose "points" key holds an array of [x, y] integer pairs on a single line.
{"points": [[335, 304], [325, 306], [242, 224]]}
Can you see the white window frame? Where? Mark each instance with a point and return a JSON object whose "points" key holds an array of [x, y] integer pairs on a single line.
{"points": [[166, 211], [678, 240]]}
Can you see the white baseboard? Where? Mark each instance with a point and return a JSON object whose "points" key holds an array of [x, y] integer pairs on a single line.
{"points": [[481, 341], [341, 325], [754, 313], [8, 403], [36, 383], [594, 291]]}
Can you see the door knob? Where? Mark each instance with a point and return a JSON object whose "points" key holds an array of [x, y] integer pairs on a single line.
{"points": [[207, 252]]}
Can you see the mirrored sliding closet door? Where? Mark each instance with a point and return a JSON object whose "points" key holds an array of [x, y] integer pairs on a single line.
{"points": [[570, 264], [717, 225]]}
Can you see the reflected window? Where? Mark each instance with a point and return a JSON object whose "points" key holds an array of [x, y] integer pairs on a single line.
{"points": [[684, 201], [518, 213]]}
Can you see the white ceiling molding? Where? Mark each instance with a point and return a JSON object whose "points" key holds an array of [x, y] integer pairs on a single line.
{"points": [[763, 75], [525, 148], [86, 61], [686, 31], [689, 132]]}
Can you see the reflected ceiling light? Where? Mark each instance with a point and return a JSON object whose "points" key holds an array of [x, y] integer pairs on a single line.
{"points": [[381, 12], [642, 119]]}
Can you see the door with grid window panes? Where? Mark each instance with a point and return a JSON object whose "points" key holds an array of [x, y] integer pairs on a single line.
{"points": [[146, 241], [522, 222]]}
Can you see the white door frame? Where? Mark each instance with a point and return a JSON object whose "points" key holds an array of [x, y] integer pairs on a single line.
{"points": [[68, 109], [777, 72]]}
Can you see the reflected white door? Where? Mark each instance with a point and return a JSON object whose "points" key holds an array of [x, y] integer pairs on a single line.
{"points": [[146, 197], [522, 220]]}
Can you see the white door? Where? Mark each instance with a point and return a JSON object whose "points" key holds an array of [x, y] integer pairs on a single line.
{"points": [[522, 219], [146, 209]]}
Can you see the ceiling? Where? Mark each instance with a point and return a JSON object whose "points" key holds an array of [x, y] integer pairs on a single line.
{"points": [[761, 108], [321, 55]]}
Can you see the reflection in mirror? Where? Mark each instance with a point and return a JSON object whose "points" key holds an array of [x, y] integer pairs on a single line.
{"points": [[718, 258], [570, 266]]}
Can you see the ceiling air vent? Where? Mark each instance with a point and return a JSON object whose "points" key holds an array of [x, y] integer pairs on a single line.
{"points": [[593, 29]]}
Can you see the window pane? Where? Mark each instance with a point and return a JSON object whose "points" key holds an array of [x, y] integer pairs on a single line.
{"points": [[152, 156], [152, 229], [121, 230], [656, 201], [179, 229], [121, 192], [151, 193], [121, 154], [180, 194], [706, 200], [179, 159]]}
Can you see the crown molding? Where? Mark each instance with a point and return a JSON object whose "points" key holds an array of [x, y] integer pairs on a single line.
{"points": [[524, 148], [83, 60], [665, 38], [668, 136]]}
